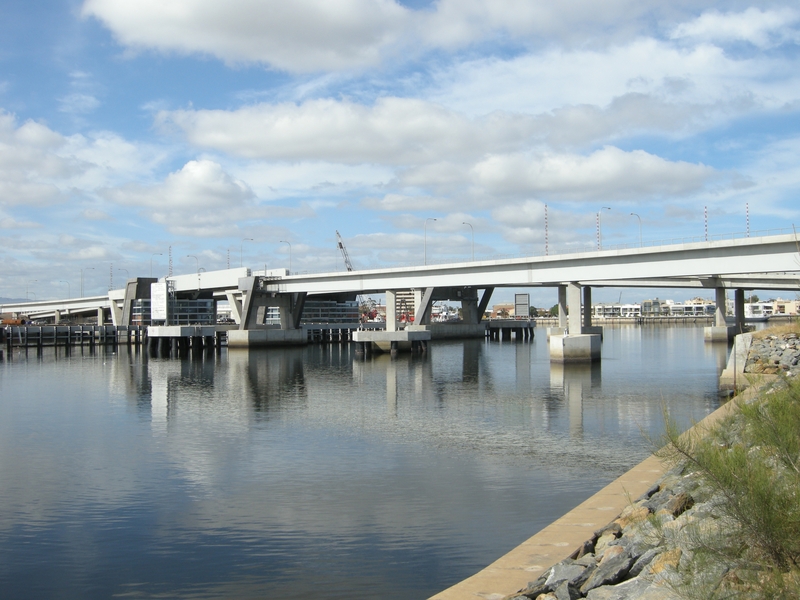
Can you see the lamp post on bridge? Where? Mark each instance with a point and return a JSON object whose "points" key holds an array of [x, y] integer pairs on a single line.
{"points": [[640, 227], [127, 274], [151, 261], [473, 239], [82, 270], [27, 293], [599, 233], [196, 260], [425, 241], [69, 293], [241, 251], [290, 255]]}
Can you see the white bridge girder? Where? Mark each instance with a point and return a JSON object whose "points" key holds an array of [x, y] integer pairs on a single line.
{"points": [[771, 262]]}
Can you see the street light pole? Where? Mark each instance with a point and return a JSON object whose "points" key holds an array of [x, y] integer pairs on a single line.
{"points": [[69, 293], [27, 293], [151, 261], [640, 227], [196, 260], [425, 241], [473, 239], [241, 251], [290, 255], [599, 234], [82, 270]]}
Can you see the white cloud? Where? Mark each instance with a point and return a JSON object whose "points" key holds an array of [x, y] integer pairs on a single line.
{"points": [[762, 28], [199, 185], [39, 166], [316, 35], [536, 83], [607, 173], [77, 103], [304, 35], [405, 203], [392, 131], [93, 214], [11, 223], [200, 199]]}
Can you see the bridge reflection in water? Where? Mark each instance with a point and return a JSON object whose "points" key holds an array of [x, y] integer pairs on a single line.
{"points": [[275, 471]]}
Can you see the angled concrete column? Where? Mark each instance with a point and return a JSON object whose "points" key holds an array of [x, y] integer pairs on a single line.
{"points": [[472, 309], [423, 300], [236, 307]]}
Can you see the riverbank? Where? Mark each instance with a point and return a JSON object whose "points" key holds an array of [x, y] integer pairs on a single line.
{"points": [[636, 555]]}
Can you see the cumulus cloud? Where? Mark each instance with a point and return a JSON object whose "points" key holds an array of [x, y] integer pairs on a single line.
{"points": [[199, 185], [40, 167], [316, 35], [393, 131], [305, 35], [200, 199], [607, 173]]}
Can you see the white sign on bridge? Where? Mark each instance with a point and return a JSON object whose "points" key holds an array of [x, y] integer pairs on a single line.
{"points": [[158, 301]]}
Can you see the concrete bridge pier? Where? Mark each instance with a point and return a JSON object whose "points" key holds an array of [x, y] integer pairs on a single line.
{"points": [[576, 345], [561, 329], [720, 331]]}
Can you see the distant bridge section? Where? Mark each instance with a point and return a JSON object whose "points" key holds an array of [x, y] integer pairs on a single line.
{"points": [[767, 262]]}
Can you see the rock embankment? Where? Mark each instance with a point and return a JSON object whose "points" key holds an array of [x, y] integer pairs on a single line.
{"points": [[773, 354], [638, 555], [634, 556]]}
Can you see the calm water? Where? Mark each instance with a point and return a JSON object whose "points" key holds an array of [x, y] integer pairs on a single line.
{"points": [[310, 474]]}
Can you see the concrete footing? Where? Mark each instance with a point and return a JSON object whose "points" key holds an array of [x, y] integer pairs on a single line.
{"points": [[732, 376], [719, 334], [250, 338], [455, 331], [392, 341], [575, 348]]}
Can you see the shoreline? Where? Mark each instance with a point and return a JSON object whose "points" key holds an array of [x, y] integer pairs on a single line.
{"points": [[560, 540]]}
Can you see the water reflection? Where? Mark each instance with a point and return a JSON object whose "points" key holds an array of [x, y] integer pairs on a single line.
{"points": [[229, 474], [575, 381]]}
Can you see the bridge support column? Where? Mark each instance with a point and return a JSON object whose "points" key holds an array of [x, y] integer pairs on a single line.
{"points": [[575, 346], [575, 319], [562, 314], [391, 310], [57, 317], [587, 314], [738, 309], [720, 331], [423, 300]]}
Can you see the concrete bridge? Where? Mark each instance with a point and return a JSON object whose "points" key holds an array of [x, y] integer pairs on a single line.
{"points": [[763, 263]]}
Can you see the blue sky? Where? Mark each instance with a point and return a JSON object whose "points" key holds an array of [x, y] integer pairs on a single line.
{"points": [[222, 129]]}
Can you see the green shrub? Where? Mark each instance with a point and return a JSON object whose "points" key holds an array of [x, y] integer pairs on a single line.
{"points": [[749, 465]]}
